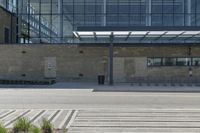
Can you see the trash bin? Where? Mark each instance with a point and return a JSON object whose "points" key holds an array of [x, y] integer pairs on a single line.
{"points": [[101, 79]]}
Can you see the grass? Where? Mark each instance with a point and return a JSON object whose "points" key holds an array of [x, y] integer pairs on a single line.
{"points": [[3, 129], [46, 126], [34, 129], [22, 125]]}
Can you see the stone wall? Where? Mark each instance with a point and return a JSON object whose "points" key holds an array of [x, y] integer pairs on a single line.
{"points": [[78, 63]]}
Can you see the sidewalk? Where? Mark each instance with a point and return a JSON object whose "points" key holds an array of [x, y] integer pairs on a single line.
{"points": [[118, 87]]}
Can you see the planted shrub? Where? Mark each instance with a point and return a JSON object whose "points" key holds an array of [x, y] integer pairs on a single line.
{"points": [[3, 129], [34, 129], [22, 125], [46, 126]]}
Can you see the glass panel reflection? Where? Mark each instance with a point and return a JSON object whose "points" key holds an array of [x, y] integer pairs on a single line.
{"points": [[57, 19]]}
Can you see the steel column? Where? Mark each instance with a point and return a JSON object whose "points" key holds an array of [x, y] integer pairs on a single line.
{"points": [[189, 10], [111, 60], [60, 12]]}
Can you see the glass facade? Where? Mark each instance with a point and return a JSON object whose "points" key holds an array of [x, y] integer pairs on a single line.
{"points": [[53, 21], [10, 5], [173, 61]]}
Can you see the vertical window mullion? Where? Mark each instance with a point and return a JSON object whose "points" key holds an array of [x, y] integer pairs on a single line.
{"points": [[40, 22], [28, 20], [84, 5], [129, 14], [51, 23], [162, 12], [173, 13], [118, 13]]}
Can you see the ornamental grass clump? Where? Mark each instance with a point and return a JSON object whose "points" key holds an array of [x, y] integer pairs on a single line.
{"points": [[3, 129], [34, 129], [46, 126], [22, 125]]}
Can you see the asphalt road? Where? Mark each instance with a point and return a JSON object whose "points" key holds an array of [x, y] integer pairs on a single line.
{"points": [[87, 99]]}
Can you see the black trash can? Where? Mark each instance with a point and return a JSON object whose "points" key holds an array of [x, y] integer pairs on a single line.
{"points": [[101, 79]]}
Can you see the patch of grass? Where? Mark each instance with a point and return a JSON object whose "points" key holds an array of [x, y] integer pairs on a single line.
{"points": [[3, 129], [22, 125], [46, 126]]}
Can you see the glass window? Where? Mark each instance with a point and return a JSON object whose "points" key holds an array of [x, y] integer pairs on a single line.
{"points": [[157, 6], [124, 7], [135, 19], [79, 8], [34, 7], [197, 6], [112, 20], [179, 20], [42, 18], [156, 20], [196, 62], [79, 20], [89, 20], [135, 7], [193, 6], [99, 19], [112, 8], [68, 8], [55, 6], [183, 61], [179, 6], [90, 8], [123, 20], [169, 61], [198, 20], [154, 61], [46, 7], [168, 6], [99, 8], [193, 20], [143, 7], [168, 20], [34, 27], [45, 26]]}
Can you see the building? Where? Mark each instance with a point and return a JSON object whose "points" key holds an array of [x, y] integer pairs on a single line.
{"points": [[7, 26], [125, 40]]}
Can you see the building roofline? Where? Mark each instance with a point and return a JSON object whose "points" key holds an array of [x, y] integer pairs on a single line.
{"points": [[139, 28]]}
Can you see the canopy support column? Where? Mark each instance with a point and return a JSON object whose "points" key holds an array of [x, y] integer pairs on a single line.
{"points": [[111, 60]]}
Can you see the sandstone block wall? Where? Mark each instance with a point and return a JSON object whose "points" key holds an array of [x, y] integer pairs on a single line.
{"points": [[78, 63]]}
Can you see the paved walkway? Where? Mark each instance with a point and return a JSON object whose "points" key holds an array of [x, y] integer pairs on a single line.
{"points": [[112, 121], [81, 108], [59, 118], [118, 87]]}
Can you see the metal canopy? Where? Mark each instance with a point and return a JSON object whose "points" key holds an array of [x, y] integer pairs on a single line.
{"points": [[168, 34]]}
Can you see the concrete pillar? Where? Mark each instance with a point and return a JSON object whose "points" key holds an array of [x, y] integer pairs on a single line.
{"points": [[60, 24], [111, 60]]}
